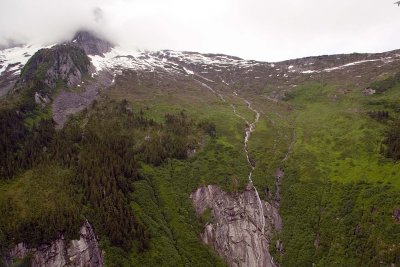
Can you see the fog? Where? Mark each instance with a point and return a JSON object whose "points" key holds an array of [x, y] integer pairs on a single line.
{"points": [[252, 29]]}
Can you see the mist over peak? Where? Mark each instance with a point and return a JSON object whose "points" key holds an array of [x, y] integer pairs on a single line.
{"points": [[47, 22], [91, 43], [254, 29]]}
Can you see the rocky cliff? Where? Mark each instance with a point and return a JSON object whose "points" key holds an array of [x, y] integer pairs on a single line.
{"points": [[238, 231], [50, 66], [91, 44], [84, 252]]}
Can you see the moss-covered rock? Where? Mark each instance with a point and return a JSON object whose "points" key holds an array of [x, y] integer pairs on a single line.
{"points": [[65, 63]]}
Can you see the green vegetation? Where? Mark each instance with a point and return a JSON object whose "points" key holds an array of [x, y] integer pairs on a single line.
{"points": [[392, 142], [21, 145], [388, 83], [129, 162], [337, 140], [129, 173], [39, 64], [339, 192], [161, 202], [38, 205], [102, 151], [332, 224]]}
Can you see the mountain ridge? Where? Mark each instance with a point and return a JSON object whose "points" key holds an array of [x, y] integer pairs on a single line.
{"points": [[95, 46]]}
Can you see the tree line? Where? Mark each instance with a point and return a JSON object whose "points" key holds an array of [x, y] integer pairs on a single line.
{"points": [[103, 147]]}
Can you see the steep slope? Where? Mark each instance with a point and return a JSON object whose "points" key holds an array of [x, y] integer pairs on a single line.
{"points": [[12, 61], [64, 63], [240, 229], [91, 44], [170, 174], [82, 252]]}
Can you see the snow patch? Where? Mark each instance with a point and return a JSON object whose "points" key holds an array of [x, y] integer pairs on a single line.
{"points": [[118, 59], [16, 55], [357, 63], [188, 71], [309, 71], [19, 54]]}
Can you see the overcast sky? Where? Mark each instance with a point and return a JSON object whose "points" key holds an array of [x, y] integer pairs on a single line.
{"points": [[252, 29]]}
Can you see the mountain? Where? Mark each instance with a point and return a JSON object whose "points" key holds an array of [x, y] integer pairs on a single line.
{"points": [[173, 158], [91, 44]]}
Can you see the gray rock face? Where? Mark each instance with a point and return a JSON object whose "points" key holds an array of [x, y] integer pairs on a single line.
{"points": [[91, 44], [396, 215], [84, 252], [66, 63], [41, 100], [68, 103], [239, 231], [64, 69]]}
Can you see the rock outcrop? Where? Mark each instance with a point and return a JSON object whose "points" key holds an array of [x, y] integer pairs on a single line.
{"points": [[67, 102], [91, 44], [396, 215], [238, 231], [84, 252], [50, 66]]}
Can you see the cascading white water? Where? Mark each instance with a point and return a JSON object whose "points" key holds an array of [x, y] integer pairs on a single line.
{"points": [[249, 129]]}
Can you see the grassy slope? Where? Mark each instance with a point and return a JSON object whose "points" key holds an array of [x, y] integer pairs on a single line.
{"points": [[339, 193], [337, 140]]}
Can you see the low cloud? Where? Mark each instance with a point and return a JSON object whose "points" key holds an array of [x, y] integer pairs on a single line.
{"points": [[253, 29]]}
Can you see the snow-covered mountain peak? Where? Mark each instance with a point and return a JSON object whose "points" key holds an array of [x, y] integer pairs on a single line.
{"points": [[210, 67]]}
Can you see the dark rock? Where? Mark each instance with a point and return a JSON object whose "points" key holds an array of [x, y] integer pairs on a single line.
{"points": [[50, 66], [396, 215], [279, 246], [91, 44]]}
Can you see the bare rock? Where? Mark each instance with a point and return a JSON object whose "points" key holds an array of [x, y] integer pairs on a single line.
{"points": [[41, 99], [49, 66], [279, 246], [92, 44], [396, 215], [67, 103], [84, 252], [241, 228], [369, 91]]}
